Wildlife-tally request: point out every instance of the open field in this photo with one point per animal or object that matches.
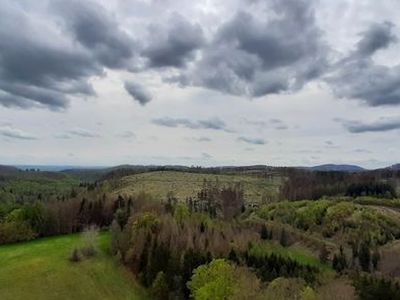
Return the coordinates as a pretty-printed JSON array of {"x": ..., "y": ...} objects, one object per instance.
[
  {"x": 185, "y": 184},
  {"x": 40, "y": 269}
]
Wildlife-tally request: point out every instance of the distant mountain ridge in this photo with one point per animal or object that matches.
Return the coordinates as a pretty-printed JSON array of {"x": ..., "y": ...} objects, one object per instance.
[
  {"x": 10, "y": 169},
  {"x": 338, "y": 168},
  {"x": 395, "y": 167}
]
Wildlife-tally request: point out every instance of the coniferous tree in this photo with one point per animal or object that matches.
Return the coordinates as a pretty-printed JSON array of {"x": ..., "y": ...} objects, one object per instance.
[{"x": 364, "y": 256}]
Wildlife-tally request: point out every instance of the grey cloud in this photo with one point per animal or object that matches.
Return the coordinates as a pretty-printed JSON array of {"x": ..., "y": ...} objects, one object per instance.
[
  {"x": 359, "y": 77},
  {"x": 254, "y": 141},
  {"x": 378, "y": 36},
  {"x": 62, "y": 136},
  {"x": 80, "y": 132},
  {"x": 256, "y": 56},
  {"x": 175, "y": 46},
  {"x": 281, "y": 127},
  {"x": 199, "y": 139},
  {"x": 38, "y": 67},
  {"x": 127, "y": 134},
  {"x": 213, "y": 123},
  {"x": 360, "y": 150},
  {"x": 97, "y": 30},
  {"x": 272, "y": 123},
  {"x": 138, "y": 92},
  {"x": 15, "y": 133},
  {"x": 378, "y": 126},
  {"x": 203, "y": 139},
  {"x": 206, "y": 155}
]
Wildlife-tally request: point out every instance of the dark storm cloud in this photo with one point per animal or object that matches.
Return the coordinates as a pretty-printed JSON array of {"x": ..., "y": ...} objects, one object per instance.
[
  {"x": 213, "y": 123},
  {"x": 378, "y": 36},
  {"x": 138, "y": 92},
  {"x": 38, "y": 67},
  {"x": 93, "y": 27},
  {"x": 255, "y": 56},
  {"x": 378, "y": 126},
  {"x": 359, "y": 77},
  {"x": 267, "y": 47},
  {"x": 254, "y": 141},
  {"x": 176, "y": 45}
]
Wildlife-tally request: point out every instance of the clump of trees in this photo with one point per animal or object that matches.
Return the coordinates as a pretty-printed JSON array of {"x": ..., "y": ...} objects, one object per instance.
[
  {"x": 26, "y": 221},
  {"x": 216, "y": 200},
  {"x": 305, "y": 184},
  {"x": 221, "y": 279},
  {"x": 375, "y": 189},
  {"x": 370, "y": 287}
]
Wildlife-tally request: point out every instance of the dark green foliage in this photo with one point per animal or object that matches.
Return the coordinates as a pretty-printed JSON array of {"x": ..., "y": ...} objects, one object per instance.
[
  {"x": 374, "y": 288},
  {"x": 283, "y": 240},
  {"x": 376, "y": 189},
  {"x": 159, "y": 288},
  {"x": 339, "y": 261},
  {"x": 264, "y": 234},
  {"x": 271, "y": 266},
  {"x": 375, "y": 259},
  {"x": 232, "y": 256},
  {"x": 323, "y": 254},
  {"x": 364, "y": 256}
]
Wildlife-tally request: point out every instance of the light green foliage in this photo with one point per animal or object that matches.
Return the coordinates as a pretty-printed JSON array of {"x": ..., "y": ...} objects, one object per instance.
[
  {"x": 337, "y": 215},
  {"x": 284, "y": 288},
  {"x": 338, "y": 218},
  {"x": 159, "y": 288},
  {"x": 40, "y": 270},
  {"x": 213, "y": 281},
  {"x": 221, "y": 280},
  {"x": 308, "y": 294},
  {"x": 146, "y": 221},
  {"x": 295, "y": 252},
  {"x": 181, "y": 212}
]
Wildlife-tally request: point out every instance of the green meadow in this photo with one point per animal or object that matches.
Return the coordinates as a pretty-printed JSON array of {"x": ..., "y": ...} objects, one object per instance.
[{"x": 40, "y": 269}]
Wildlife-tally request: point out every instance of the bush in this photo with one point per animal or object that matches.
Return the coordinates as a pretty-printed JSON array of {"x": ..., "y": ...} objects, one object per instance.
[
  {"x": 89, "y": 237},
  {"x": 75, "y": 256}
]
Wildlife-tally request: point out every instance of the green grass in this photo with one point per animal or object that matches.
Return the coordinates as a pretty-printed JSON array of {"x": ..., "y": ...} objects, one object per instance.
[
  {"x": 298, "y": 253},
  {"x": 40, "y": 269},
  {"x": 185, "y": 184}
]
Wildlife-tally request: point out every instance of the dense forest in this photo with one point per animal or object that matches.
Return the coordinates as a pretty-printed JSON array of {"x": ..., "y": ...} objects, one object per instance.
[{"x": 324, "y": 231}]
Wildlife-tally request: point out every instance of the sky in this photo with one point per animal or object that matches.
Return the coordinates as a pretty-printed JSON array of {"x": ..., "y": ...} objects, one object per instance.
[{"x": 207, "y": 82}]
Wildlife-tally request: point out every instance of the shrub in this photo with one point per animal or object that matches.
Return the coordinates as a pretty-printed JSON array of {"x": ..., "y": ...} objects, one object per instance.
[
  {"x": 89, "y": 237},
  {"x": 75, "y": 256}
]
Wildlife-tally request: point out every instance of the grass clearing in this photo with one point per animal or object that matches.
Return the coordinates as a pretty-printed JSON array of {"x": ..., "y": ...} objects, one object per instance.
[
  {"x": 40, "y": 269},
  {"x": 185, "y": 184},
  {"x": 296, "y": 252}
]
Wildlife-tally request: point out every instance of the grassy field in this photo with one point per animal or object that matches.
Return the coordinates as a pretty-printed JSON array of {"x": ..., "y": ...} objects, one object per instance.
[
  {"x": 185, "y": 184},
  {"x": 295, "y": 252},
  {"x": 40, "y": 269}
]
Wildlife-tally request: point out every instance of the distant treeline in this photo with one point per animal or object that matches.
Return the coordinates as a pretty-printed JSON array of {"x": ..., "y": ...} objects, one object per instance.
[{"x": 304, "y": 184}]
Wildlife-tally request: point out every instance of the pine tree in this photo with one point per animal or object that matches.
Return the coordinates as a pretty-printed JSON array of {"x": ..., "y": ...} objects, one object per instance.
[
  {"x": 323, "y": 254},
  {"x": 264, "y": 232},
  {"x": 283, "y": 239},
  {"x": 375, "y": 259},
  {"x": 364, "y": 256}
]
